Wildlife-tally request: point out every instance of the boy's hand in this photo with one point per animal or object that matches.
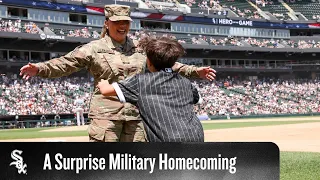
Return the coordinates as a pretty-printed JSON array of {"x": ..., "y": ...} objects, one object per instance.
[
  {"x": 102, "y": 84},
  {"x": 105, "y": 88}
]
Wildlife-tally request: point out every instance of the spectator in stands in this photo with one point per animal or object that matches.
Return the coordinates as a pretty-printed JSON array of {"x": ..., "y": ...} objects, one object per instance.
[
  {"x": 113, "y": 57},
  {"x": 9, "y": 26},
  {"x": 261, "y": 96},
  {"x": 39, "y": 96},
  {"x": 226, "y": 95}
]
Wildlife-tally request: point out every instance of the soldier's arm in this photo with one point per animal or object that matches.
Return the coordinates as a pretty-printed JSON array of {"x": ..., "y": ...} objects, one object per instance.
[
  {"x": 194, "y": 72},
  {"x": 188, "y": 71},
  {"x": 72, "y": 62}
]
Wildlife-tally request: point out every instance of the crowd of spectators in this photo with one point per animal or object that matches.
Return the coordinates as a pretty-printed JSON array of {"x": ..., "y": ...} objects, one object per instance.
[
  {"x": 204, "y": 4},
  {"x": 84, "y": 33},
  {"x": 241, "y": 8},
  {"x": 281, "y": 16},
  {"x": 245, "y": 13},
  {"x": 218, "y": 6},
  {"x": 209, "y": 4},
  {"x": 228, "y": 96},
  {"x": 272, "y": 96},
  {"x": 200, "y": 39},
  {"x": 265, "y": 43},
  {"x": 262, "y": 3},
  {"x": 42, "y": 96},
  {"x": 270, "y": 3},
  {"x": 316, "y": 17},
  {"x": 169, "y": 5},
  {"x": 16, "y": 26},
  {"x": 189, "y": 39},
  {"x": 303, "y": 44},
  {"x": 231, "y": 41},
  {"x": 31, "y": 27}
]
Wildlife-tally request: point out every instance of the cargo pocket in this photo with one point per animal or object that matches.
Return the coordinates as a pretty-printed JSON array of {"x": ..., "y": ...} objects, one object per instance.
[
  {"x": 115, "y": 64},
  {"x": 96, "y": 132}
]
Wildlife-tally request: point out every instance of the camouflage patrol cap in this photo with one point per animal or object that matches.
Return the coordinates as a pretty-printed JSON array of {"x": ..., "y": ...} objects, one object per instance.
[{"x": 117, "y": 12}]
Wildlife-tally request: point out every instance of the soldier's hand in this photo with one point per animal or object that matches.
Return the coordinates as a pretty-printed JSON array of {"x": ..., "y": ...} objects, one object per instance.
[
  {"x": 206, "y": 73},
  {"x": 28, "y": 71}
]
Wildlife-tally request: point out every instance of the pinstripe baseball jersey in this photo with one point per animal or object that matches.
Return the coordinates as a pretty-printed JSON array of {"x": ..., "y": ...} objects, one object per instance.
[{"x": 165, "y": 100}]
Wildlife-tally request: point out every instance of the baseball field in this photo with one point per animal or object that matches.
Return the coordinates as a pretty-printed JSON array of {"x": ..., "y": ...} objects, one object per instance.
[{"x": 298, "y": 139}]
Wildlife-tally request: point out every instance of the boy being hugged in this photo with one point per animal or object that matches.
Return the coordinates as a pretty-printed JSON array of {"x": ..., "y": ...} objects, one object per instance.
[{"x": 165, "y": 99}]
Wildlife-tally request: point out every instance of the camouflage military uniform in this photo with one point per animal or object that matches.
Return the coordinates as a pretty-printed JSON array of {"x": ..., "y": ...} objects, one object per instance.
[{"x": 106, "y": 59}]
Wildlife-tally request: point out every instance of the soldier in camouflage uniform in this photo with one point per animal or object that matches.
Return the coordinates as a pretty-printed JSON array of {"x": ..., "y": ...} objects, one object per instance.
[{"x": 114, "y": 57}]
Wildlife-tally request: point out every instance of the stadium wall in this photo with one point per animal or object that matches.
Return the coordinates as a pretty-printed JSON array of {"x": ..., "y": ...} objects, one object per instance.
[
  {"x": 263, "y": 116},
  {"x": 72, "y": 116}
]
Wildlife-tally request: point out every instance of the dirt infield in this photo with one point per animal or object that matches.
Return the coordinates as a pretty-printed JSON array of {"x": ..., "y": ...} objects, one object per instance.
[{"x": 293, "y": 137}]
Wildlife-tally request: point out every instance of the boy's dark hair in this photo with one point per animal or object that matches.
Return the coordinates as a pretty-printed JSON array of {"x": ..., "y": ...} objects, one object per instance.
[{"x": 162, "y": 52}]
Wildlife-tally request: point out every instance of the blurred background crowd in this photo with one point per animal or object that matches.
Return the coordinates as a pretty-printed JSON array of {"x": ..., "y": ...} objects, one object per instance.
[
  {"x": 16, "y": 26},
  {"x": 222, "y": 97}
]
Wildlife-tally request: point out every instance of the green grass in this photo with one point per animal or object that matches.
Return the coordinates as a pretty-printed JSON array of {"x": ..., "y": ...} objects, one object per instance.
[
  {"x": 273, "y": 117},
  {"x": 225, "y": 125},
  {"x": 36, "y": 133},
  {"x": 299, "y": 166},
  {"x": 293, "y": 165}
]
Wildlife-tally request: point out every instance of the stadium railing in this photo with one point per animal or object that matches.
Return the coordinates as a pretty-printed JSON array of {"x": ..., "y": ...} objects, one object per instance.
[{"x": 39, "y": 123}]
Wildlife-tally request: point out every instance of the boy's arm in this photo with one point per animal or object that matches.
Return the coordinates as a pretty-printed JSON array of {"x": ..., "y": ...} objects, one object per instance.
[
  {"x": 126, "y": 90},
  {"x": 106, "y": 89}
]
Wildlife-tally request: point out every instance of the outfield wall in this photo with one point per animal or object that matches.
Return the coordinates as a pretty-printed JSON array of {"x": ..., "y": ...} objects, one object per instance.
[
  {"x": 263, "y": 116},
  {"x": 72, "y": 116},
  {"x": 29, "y": 121}
]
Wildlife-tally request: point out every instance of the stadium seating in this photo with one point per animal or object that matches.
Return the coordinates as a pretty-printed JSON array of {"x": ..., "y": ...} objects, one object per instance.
[
  {"x": 84, "y": 32},
  {"x": 16, "y": 26},
  {"x": 182, "y": 38},
  {"x": 39, "y": 96},
  {"x": 259, "y": 97},
  {"x": 308, "y": 8},
  {"x": 241, "y": 7},
  {"x": 277, "y": 9},
  {"x": 162, "y": 5},
  {"x": 225, "y": 96},
  {"x": 229, "y": 96}
]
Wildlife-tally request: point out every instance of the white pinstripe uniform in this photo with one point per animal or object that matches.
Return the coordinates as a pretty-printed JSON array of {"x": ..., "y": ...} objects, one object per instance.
[{"x": 165, "y": 100}]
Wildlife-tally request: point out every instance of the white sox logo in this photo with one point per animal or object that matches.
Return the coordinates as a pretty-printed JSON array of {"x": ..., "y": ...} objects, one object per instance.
[{"x": 15, "y": 155}]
